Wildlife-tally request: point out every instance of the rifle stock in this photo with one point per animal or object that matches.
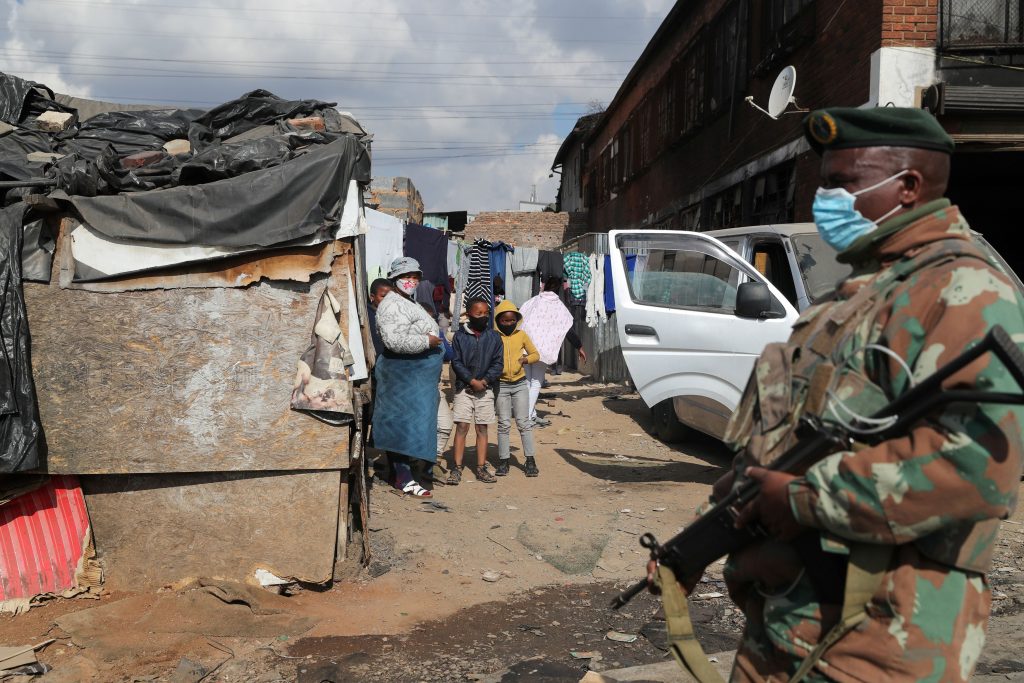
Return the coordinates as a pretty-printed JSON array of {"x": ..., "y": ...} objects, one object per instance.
[{"x": 714, "y": 534}]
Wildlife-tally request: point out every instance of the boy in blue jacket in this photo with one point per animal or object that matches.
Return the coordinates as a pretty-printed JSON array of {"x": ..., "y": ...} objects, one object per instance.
[{"x": 478, "y": 362}]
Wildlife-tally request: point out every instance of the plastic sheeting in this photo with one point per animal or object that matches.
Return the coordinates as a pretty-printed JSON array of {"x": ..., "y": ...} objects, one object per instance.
[
  {"x": 93, "y": 148},
  {"x": 301, "y": 198},
  {"x": 248, "y": 111},
  {"x": 21, "y": 100},
  {"x": 20, "y": 429}
]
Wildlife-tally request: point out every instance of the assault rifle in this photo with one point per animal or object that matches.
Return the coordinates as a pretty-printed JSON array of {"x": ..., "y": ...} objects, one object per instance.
[{"x": 714, "y": 534}]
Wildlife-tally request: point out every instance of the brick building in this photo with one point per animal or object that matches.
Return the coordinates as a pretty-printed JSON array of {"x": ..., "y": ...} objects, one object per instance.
[
  {"x": 540, "y": 229},
  {"x": 396, "y": 196},
  {"x": 679, "y": 148}
]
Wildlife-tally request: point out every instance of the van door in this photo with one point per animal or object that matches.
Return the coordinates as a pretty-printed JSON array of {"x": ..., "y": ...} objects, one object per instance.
[{"x": 675, "y": 298}]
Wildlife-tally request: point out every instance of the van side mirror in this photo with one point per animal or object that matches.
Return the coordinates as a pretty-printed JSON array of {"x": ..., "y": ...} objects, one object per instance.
[{"x": 753, "y": 300}]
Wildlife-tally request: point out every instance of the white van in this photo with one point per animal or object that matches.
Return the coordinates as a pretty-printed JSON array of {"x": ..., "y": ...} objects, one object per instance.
[{"x": 695, "y": 309}]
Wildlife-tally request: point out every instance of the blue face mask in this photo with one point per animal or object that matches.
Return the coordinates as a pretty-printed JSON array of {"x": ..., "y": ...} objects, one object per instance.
[{"x": 838, "y": 222}]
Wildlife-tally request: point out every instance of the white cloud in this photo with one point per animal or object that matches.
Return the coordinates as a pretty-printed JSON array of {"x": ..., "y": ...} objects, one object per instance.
[{"x": 469, "y": 98}]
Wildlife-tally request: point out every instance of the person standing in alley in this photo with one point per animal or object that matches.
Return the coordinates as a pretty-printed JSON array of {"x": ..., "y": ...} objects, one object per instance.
[
  {"x": 478, "y": 362},
  {"x": 513, "y": 399},
  {"x": 546, "y": 320},
  {"x": 407, "y": 374}
]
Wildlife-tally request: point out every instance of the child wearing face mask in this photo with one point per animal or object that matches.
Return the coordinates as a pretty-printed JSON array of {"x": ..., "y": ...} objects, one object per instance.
[
  {"x": 513, "y": 399},
  {"x": 478, "y": 363}
]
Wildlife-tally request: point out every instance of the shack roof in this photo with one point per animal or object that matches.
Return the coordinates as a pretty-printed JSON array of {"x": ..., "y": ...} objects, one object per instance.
[{"x": 253, "y": 173}]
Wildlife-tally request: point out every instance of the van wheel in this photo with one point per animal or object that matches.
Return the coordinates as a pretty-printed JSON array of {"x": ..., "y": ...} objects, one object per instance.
[{"x": 667, "y": 426}]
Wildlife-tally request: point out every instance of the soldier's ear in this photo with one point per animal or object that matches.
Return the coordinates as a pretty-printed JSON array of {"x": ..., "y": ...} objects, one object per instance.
[{"x": 911, "y": 183}]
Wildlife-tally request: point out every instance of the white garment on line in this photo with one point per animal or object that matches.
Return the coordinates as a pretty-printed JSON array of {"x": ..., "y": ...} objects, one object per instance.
[
  {"x": 383, "y": 243},
  {"x": 602, "y": 314},
  {"x": 595, "y": 292}
]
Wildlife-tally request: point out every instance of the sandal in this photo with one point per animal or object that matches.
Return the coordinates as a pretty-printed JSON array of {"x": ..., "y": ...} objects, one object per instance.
[
  {"x": 437, "y": 474},
  {"x": 454, "y": 477},
  {"x": 414, "y": 489},
  {"x": 484, "y": 475}
]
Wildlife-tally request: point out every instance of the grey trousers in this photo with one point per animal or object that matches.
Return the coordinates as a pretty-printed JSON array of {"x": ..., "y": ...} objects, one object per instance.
[{"x": 513, "y": 399}]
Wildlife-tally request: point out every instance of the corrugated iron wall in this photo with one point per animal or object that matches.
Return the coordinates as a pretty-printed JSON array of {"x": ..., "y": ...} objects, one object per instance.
[{"x": 605, "y": 362}]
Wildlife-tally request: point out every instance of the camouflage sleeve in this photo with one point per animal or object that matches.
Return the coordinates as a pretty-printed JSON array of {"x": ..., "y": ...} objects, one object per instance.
[{"x": 964, "y": 465}]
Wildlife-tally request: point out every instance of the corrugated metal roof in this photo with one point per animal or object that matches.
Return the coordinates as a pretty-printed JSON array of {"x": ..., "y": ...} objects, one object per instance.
[{"x": 42, "y": 535}]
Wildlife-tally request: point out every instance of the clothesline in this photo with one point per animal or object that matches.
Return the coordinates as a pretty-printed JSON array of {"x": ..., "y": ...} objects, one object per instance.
[{"x": 492, "y": 271}]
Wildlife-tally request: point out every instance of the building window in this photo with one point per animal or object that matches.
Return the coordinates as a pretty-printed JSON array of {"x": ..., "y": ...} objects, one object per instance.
[
  {"x": 772, "y": 195},
  {"x": 726, "y": 208},
  {"x": 786, "y": 26},
  {"x": 727, "y": 58},
  {"x": 694, "y": 65},
  {"x": 981, "y": 23}
]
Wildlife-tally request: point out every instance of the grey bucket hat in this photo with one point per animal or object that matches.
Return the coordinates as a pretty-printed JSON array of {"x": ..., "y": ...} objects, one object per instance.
[{"x": 403, "y": 266}]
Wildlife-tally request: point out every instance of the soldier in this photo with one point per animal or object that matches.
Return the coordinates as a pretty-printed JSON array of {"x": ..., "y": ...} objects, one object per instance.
[{"x": 911, "y": 522}]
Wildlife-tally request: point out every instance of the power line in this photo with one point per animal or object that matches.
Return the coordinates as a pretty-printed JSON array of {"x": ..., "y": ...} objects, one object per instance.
[
  {"x": 431, "y": 81},
  {"x": 305, "y": 40},
  {"x": 412, "y": 160},
  {"x": 121, "y": 58},
  {"x": 151, "y": 7},
  {"x": 344, "y": 74}
]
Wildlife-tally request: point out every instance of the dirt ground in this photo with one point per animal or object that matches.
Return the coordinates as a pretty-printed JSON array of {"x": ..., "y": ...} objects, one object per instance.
[{"x": 507, "y": 581}]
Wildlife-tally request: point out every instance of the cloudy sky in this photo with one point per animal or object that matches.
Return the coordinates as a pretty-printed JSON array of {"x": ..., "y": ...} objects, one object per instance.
[{"x": 469, "y": 98}]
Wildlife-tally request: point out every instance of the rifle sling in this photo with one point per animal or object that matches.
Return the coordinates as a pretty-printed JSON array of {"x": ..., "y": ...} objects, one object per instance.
[
  {"x": 865, "y": 570},
  {"x": 681, "y": 638}
]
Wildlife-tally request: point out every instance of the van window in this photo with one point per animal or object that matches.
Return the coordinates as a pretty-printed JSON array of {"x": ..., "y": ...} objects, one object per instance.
[
  {"x": 769, "y": 259},
  {"x": 818, "y": 266},
  {"x": 681, "y": 273}
]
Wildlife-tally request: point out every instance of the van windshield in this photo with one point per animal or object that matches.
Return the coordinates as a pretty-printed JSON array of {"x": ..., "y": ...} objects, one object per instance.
[{"x": 818, "y": 266}]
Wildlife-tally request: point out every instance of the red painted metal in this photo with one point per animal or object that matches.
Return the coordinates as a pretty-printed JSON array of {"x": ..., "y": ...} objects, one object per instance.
[{"x": 42, "y": 534}]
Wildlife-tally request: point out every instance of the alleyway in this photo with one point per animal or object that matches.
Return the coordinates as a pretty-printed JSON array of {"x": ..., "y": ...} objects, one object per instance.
[{"x": 495, "y": 582}]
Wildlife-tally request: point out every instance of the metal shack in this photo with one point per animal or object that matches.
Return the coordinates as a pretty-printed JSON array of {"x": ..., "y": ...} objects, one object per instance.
[{"x": 195, "y": 307}]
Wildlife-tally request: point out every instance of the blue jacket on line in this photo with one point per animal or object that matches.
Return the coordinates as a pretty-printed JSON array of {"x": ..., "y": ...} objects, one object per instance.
[{"x": 477, "y": 357}]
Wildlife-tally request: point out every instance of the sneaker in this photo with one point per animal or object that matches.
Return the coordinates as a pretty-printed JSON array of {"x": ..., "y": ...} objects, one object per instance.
[
  {"x": 531, "y": 468},
  {"x": 484, "y": 475},
  {"x": 502, "y": 469},
  {"x": 541, "y": 422}
]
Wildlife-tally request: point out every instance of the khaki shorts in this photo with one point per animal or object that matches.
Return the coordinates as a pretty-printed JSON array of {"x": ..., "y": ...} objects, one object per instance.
[{"x": 470, "y": 407}]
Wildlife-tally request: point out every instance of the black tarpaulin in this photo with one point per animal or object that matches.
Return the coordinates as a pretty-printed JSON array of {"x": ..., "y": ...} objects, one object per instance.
[
  {"x": 21, "y": 100},
  {"x": 300, "y": 198},
  {"x": 37, "y": 250},
  {"x": 14, "y": 150},
  {"x": 248, "y": 111},
  {"x": 20, "y": 429}
]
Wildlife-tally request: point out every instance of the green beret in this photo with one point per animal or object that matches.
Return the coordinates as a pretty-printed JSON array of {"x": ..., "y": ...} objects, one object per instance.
[{"x": 848, "y": 127}]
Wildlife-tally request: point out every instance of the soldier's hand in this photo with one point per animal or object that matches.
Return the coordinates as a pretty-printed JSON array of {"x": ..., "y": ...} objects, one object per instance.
[{"x": 771, "y": 507}]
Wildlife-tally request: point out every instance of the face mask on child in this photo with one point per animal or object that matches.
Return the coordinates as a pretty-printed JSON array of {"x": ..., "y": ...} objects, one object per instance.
[
  {"x": 478, "y": 324},
  {"x": 507, "y": 329}
]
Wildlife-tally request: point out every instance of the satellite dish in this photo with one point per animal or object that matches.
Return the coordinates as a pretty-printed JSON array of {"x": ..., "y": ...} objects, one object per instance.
[
  {"x": 781, "y": 96},
  {"x": 782, "y": 92}
]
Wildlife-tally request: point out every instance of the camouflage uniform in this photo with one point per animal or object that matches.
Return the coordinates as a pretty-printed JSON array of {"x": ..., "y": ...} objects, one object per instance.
[{"x": 927, "y": 292}]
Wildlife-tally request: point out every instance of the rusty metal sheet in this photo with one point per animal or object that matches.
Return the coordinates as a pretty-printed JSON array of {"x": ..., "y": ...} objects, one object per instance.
[{"x": 295, "y": 264}]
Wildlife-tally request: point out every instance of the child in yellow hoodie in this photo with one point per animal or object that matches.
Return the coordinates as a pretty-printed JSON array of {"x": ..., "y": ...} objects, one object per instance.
[{"x": 513, "y": 398}]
